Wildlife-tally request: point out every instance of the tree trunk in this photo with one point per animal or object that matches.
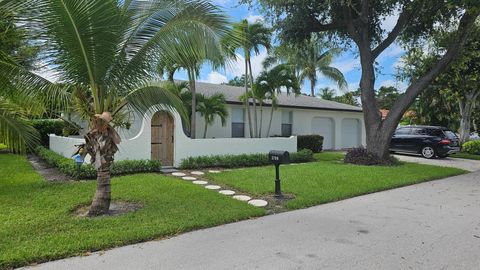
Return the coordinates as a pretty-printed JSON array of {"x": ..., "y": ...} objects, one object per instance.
[
  {"x": 101, "y": 201},
  {"x": 466, "y": 110},
  {"x": 255, "y": 129},
  {"x": 270, "y": 122},
  {"x": 193, "y": 120},
  {"x": 261, "y": 120},
  {"x": 247, "y": 100},
  {"x": 101, "y": 144},
  {"x": 205, "y": 130},
  {"x": 312, "y": 87}
]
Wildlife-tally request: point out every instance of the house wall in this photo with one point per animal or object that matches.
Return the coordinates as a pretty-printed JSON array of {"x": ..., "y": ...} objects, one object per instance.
[
  {"x": 138, "y": 146},
  {"x": 301, "y": 125}
]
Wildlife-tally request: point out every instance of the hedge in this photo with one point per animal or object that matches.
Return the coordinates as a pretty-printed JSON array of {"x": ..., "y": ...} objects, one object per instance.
[
  {"x": 52, "y": 126},
  {"x": 312, "y": 142},
  {"x": 244, "y": 160},
  {"x": 87, "y": 171},
  {"x": 472, "y": 147}
]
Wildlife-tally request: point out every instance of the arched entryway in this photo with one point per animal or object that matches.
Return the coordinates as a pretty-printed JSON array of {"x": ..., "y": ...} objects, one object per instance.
[{"x": 162, "y": 138}]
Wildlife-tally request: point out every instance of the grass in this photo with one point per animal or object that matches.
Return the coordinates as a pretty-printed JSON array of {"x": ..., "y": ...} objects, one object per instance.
[
  {"x": 329, "y": 180},
  {"x": 36, "y": 223},
  {"x": 466, "y": 156}
]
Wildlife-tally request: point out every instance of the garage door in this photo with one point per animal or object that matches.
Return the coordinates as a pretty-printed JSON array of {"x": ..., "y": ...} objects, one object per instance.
[
  {"x": 350, "y": 133},
  {"x": 324, "y": 126}
]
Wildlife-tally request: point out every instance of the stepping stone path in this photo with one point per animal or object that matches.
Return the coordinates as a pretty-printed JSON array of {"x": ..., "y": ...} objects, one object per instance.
[
  {"x": 197, "y": 173},
  {"x": 227, "y": 192},
  {"x": 242, "y": 198},
  {"x": 200, "y": 182},
  {"x": 214, "y": 171},
  {"x": 189, "y": 178},
  {"x": 213, "y": 187},
  {"x": 258, "y": 203},
  {"x": 179, "y": 174}
]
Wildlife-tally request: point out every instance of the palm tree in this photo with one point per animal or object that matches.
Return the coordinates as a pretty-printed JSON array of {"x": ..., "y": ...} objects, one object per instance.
[
  {"x": 272, "y": 82},
  {"x": 211, "y": 49},
  {"x": 254, "y": 36},
  {"x": 326, "y": 93},
  {"x": 212, "y": 106},
  {"x": 312, "y": 58},
  {"x": 105, "y": 51}
]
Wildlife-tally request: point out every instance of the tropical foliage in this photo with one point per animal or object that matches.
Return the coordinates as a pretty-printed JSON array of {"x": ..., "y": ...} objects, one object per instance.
[
  {"x": 210, "y": 107},
  {"x": 104, "y": 51}
]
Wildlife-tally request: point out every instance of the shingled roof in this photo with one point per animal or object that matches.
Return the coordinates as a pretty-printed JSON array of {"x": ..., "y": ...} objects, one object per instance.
[{"x": 233, "y": 93}]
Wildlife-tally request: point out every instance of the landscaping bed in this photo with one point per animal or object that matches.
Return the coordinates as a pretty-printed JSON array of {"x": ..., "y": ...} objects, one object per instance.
[
  {"x": 329, "y": 179},
  {"x": 38, "y": 222}
]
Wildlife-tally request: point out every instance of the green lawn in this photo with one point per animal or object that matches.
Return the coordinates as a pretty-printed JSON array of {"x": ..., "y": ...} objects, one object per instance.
[
  {"x": 466, "y": 156},
  {"x": 328, "y": 180},
  {"x": 36, "y": 222}
]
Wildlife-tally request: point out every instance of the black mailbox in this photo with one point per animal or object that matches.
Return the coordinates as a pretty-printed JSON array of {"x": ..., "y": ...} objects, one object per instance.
[{"x": 279, "y": 157}]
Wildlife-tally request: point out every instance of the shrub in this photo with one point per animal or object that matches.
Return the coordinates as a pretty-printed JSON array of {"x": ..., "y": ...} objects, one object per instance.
[
  {"x": 87, "y": 171},
  {"x": 472, "y": 147},
  {"x": 312, "y": 142},
  {"x": 244, "y": 160},
  {"x": 52, "y": 126},
  {"x": 361, "y": 156}
]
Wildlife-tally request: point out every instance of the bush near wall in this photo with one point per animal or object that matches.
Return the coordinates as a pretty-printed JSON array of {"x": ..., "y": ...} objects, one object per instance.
[
  {"x": 236, "y": 161},
  {"x": 312, "y": 142},
  {"x": 52, "y": 126},
  {"x": 472, "y": 147},
  {"x": 87, "y": 171}
]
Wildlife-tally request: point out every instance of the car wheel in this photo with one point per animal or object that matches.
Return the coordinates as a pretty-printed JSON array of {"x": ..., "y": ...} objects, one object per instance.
[{"x": 428, "y": 152}]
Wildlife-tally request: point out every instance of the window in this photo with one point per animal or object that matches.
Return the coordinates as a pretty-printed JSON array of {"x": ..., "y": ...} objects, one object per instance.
[
  {"x": 402, "y": 131},
  {"x": 238, "y": 123},
  {"x": 419, "y": 131},
  {"x": 287, "y": 117}
]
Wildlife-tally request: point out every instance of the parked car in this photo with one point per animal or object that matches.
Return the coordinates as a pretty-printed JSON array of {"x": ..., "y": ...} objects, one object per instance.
[
  {"x": 474, "y": 136},
  {"x": 428, "y": 141}
]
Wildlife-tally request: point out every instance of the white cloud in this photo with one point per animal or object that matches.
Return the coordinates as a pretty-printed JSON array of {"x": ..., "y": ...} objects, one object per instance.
[
  {"x": 347, "y": 65},
  {"x": 222, "y": 3},
  {"x": 389, "y": 22},
  {"x": 255, "y": 18},
  {"x": 237, "y": 68},
  {"x": 216, "y": 78}
]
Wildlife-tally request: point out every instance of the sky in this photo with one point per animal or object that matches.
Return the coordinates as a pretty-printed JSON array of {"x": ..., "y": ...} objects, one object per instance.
[{"x": 348, "y": 62}]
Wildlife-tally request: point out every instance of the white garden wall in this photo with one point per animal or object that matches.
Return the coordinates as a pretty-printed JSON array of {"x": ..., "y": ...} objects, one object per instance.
[{"x": 138, "y": 146}]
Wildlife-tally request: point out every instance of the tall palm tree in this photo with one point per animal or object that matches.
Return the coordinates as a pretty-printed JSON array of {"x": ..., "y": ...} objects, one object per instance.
[
  {"x": 212, "y": 106},
  {"x": 105, "y": 50},
  {"x": 212, "y": 49},
  {"x": 272, "y": 82},
  {"x": 254, "y": 36},
  {"x": 313, "y": 58}
]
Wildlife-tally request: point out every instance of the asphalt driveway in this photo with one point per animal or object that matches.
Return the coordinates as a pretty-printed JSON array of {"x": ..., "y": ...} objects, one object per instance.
[
  {"x": 434, "y": 225},
  {"x": 466, "y": 164}
]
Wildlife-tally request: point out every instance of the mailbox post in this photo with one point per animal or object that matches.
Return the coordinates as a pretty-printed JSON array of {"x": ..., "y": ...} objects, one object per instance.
[{"x": 277, "y": 158}]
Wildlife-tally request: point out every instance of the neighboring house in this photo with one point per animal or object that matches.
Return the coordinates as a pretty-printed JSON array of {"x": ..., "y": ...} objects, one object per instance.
[{"x": 159, "y": 134}]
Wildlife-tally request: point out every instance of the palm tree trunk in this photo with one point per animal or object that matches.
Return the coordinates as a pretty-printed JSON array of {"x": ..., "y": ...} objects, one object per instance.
[
  {"x": 205, "y": 130},
  {"x": 247, "y": 100},
  {"x": 101, "y": 146},
  {"x": 261, "y": 120},
  {"x": 255, "y": 130},
  {"x": 193, "y": 120},
  {"x": 312, "y": 86},
  {"x": 270, "y": 121}
]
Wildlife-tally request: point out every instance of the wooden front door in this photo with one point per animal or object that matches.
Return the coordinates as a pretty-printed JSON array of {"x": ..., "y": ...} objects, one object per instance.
[{"x": 162, "y": 138}]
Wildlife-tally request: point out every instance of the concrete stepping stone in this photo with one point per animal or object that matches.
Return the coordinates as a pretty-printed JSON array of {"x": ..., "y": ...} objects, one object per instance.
[
  {"x": 197, "y": 173},
  {"x": 227, "y": 192},
  {"x": 200, "y": 182},
  {"x": 242, "y": 198},
  {"x": 258, "y": 203},
  {"x": 179, "y": 174},
  {"x": 214, "y": 171},
  {"x": 189, "y": 178},
  {"x": 213, "y": 187}
]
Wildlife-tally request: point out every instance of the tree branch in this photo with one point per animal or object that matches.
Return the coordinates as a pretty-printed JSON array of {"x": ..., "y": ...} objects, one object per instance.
[
  {"x": 466, "y": 24},
  {"x": 397, "y": 29},
  {"x": 319, "y": 27}
]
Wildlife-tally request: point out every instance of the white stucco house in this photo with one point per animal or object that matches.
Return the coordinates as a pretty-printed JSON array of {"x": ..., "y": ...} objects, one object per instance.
[{"x": 159, "y": 134}]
